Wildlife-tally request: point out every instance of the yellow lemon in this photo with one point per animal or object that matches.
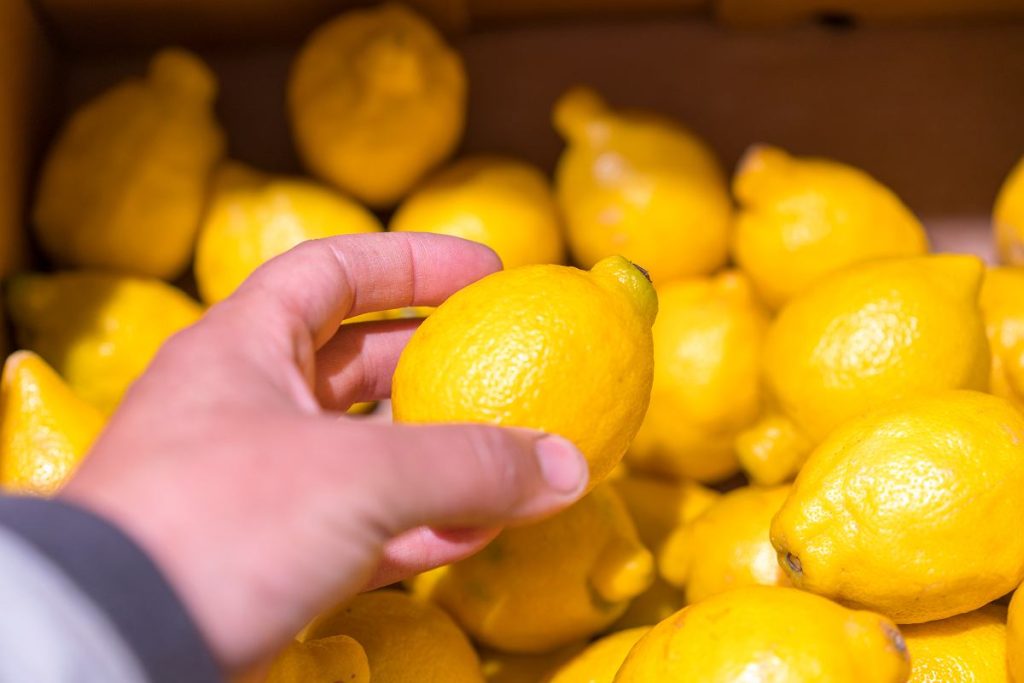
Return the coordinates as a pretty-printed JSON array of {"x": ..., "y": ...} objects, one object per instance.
[
  {"x": 727, "y": 546},
  {"x": 45, "y": 429},
  {"x": 1002, "y": 305},
  {"x": 639, "y": 185},
  {"x": 548, "y": 347},
  {"x": 254, "y": 217},
  {"x": 968, "y": 648},
  {"x": 376, "y": 100},
  {"x": 328, "y": 660},
  {"x": 905, "y": 510},
  {"x": 404, "y": 639},
  {"x": 124, "y": 184},
  {"x": 505, "y": 667},
  {"x": 501, "y": 202},
  {"x": 538, "y": 587},
  {"x": 98, "y": 330},
  {"x": 707, "y": 354},
  {"x": 761, "y": 633},
  {"x": 1008, "y": 217},
  {"x": 1015, "y": 637},
  {"x": 599, "y": 662},
  {"x": 802, "y": 218},
  {"x": 867, "y": 334}
]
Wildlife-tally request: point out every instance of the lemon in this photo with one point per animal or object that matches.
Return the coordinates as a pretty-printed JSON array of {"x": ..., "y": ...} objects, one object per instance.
[
  {"x": 124, "y": 184},
  {"x": 727, "y": 546},
  {"x": 376, "y": 99},
  {"x": 254, "y": 217},
  {"x": 1008, "y": 217},
  {"x": 98, "y": 330},
  {"x": 501, "y": 202},
  {"x": 967, "y": 648},
  {"x": 1002, "y": 305},
  {"x": 539, "y": 587},
  {"x": 45, "y": 429},
  {"x": 505, "y": 667},
  {"x": 327, "y": 660},
  {"x": 639, "y": 185},
  {"x": 762, "y": 633},
  {"x": 1015, "y": 637},
  {"x": 802, "y": 218},
  {"x": 599, "y": 662},
  {"x": 707, "y": 353},
  {"x": 864, "y": 335},
  {"x": 403, "y": 639},
  {"x": 904, "y": 510},
  {"x": 545, "y": 346}
]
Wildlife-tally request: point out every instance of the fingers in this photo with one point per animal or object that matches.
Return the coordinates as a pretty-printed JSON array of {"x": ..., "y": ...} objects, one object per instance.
[
  {"x": 358, "y": 362},
  {"x": 425, "y": 548}
]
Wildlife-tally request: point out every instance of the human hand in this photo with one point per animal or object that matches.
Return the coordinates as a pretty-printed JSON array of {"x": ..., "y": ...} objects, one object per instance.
[{"x": 232, "y": 464}]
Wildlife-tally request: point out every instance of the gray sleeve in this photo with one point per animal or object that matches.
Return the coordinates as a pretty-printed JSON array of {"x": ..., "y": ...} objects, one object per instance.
[{"x": 81, "y": 603}]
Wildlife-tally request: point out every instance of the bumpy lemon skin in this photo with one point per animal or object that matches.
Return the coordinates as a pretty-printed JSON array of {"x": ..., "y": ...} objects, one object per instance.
[
  {"x": 546, "y": 347},
  {"x": 587, "y": 560},
  {"x": 600, "y": 661},
  {"x": 124, "y": 185},
  {"x": 707, "y": 359},
  {"x": 1002, "y": 305},
  {"x": 501, "y": 202},
  {"x": 254, "y": 217},
  {"x": 326, "y": 660},
  {"x": 766, "y": 633},
  {"x": 904, "y": 510},
  {"x": 1015, "y": 638},
  {"x": 45, "y": 429},
  {"x": 802, "y": 218},
  {"x": 376, "y": 100},
  {"x": 639, "y": 185},
  {"x": 968, "y": 647},
  {"x": 1008, "y": 217}
]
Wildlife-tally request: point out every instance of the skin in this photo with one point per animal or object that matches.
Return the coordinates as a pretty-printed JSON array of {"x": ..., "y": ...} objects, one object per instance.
[{"x": 232, "y": 463}]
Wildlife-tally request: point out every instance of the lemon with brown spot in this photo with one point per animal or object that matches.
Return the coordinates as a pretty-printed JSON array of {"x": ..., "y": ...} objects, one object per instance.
[
  {"x": 335, "y": 659},
  {"x": 967, "y": 648}
]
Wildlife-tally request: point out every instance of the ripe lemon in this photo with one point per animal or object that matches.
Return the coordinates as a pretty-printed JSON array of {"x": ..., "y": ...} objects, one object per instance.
[
  {"x": 539, "y": 587},
  {"x": 547, "y": 347},
  {"x": 1002, "y": 305},
  {"x": 905, "y": 510},
  {"x": 376, "y": 99},
  {"x": 968, "y": 647},
  {"x": 1008, "y": 217},
  {"x": 635, "y": 184},
  {"x": 505, "y": 667},
  {"x": 599, "y": 662},
  {"x": 403, "y": 639},
  {"x": 124, "y": 184},
  {"x": 762, "y": 633},
  {"x": 1015, "y": 637},
  {"x": 707, "y": 354},
  {"x": 254, "y": 217},
  {"x": 45, "y": 429},
  {"x": 802, "y": 218},
  {"x": 98, "y": 330},
  {"x": 864, "y": 335},
  {"x": 727, "y": 546},
  {"x": 501, "y": 202},
  {"x": 327, "y": 660}
]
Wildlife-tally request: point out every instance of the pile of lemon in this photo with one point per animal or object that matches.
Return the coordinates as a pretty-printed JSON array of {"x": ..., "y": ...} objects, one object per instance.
[{"x": 804, "y": 431}]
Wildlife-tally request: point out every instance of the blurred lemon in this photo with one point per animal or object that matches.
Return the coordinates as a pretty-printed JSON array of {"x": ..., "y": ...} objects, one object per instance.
[
  {"x": 538, "y": 587},
  {"x": 969, "y": 647},
  {"x": 1002, "y": 305},
  {"x": 802, "y": 218},
  {"x": 376, "y": 100},
  {"x": 1008, "y": 217},
  {"x": 504, "y": 203},
  {"x": 727, "y": 546},
  {"x": 639, "y": 185},
  {"x": 1015, "y": 637},
  {"x": 707, "y": 353},
  {"x": 905, "y": 510},
  {"x": 328, "y": 660},
  {"x": 98, "y": 330},
  {"x": 867, "y": 334},
  {"x": 254, "y": 217},
  {"x": 548, "y": 347},
  {"x": 599, "y": 662},
  {"x": 404, "y": 639},
  {"x": 505, "y": 667},
  {"x": 123, "y": 186},
  {"x": 45, "y": 429},
  {"x": 761, "y": 633}
]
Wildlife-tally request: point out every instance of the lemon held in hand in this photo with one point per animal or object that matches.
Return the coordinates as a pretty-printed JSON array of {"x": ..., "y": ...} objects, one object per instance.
[
  {"x": 124, "y": 184},
  {"x": 968, "y": 648},
  {"x": 376, "y": 99},
  {"x": 335, "y": 659},
  {"x": 504, "y": 203},
  {"x": 905, "y": 510},
  {"x": 547, "y": 347}
]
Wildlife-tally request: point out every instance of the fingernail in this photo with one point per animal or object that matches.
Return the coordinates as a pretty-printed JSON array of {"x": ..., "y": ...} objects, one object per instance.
[{"x": 561, "y": 464}]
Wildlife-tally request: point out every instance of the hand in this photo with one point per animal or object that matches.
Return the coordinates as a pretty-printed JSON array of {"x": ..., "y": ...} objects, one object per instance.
[{"x": 232, "y": 464}]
